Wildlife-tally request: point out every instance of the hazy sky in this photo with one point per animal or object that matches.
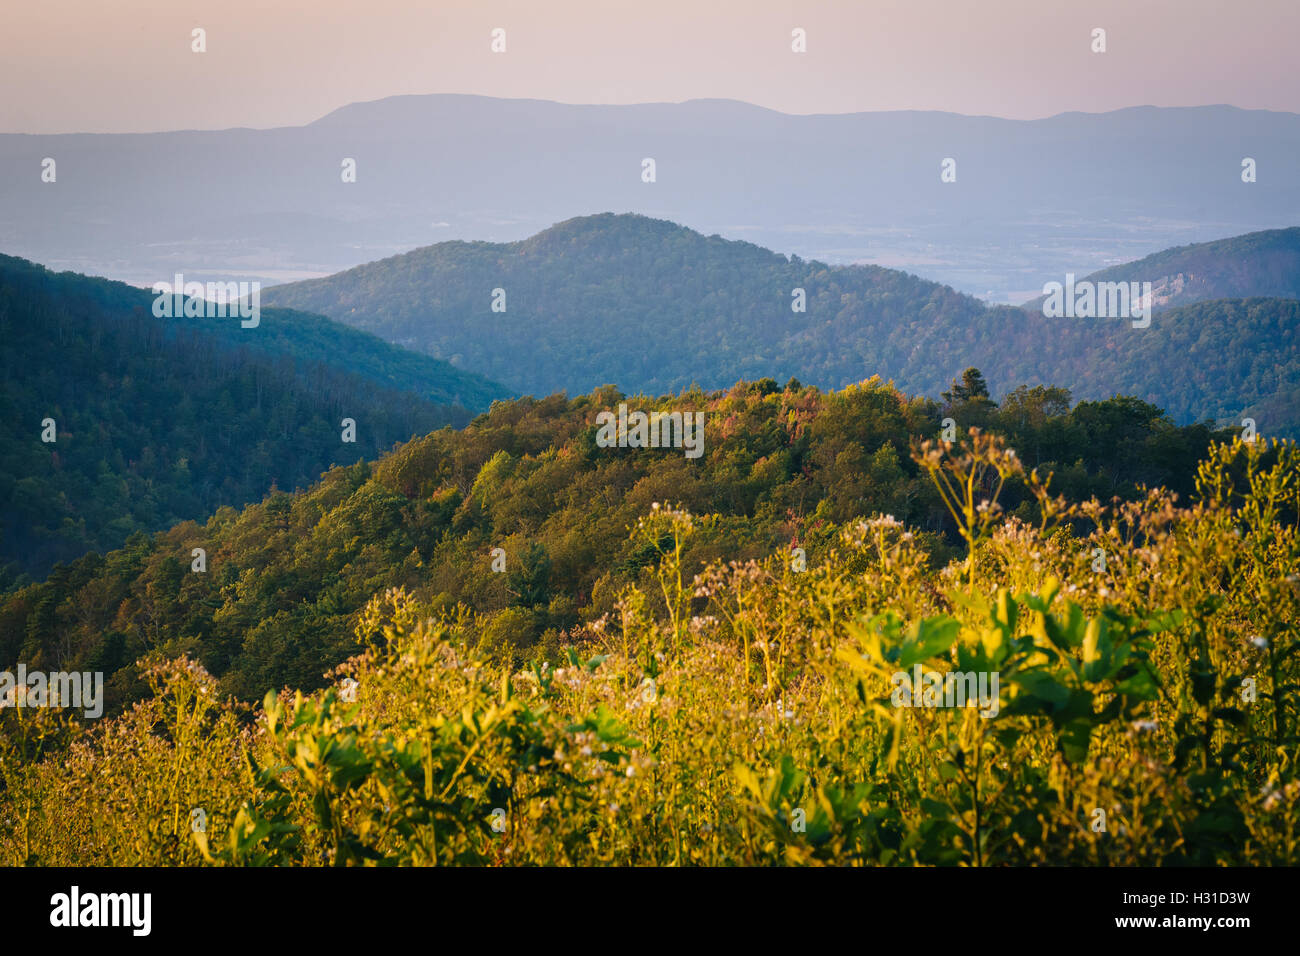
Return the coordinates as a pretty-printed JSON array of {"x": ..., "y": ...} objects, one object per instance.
[{"x": 126, "y": 65}]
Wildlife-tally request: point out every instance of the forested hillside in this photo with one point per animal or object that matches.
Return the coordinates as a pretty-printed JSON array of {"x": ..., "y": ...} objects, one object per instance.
[
  {"x": 769, "y": 672},
  {"x": 639, "y": 302},
  {"x": 1258, "y": 264},
  {"x": 1223, "y": 360},
  {"x": 156, "y": 421},
  {"x": 782, "y": 467},
  {"x": 656, "y": 307}
]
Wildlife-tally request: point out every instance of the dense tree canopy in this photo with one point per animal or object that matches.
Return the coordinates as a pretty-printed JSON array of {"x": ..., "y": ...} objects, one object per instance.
[
  {"x": 781, "y": 468},
  {"x": 158, "y": 420}
]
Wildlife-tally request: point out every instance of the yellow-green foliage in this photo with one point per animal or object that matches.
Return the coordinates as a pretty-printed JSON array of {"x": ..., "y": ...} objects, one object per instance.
[{"x": 745, "y": 717}]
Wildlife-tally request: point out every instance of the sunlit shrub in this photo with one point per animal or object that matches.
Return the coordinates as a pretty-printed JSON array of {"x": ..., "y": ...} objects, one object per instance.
[{"x": 1147, "y": 708}]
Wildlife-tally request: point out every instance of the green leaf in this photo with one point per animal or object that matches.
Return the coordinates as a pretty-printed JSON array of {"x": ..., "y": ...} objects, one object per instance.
[
  {"x": 934, "y": 636},
  {"x": 1075, "y": 737}
]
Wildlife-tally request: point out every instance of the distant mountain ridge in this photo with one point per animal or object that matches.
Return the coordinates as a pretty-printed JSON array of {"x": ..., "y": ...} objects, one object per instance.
[
  {"x": 1031, "y": 197},
  {"x": 642, "y": 303},
  {"x": 655, "y": 307}
]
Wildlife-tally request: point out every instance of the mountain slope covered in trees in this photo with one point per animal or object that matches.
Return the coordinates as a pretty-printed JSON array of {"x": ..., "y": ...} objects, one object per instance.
[
  {"x": 1257, "y": 264},
  {"x": 656, "y": 307},
  {"x": 782, "y": 467},
  {"x": 872, "y": 697},
  {"x": 1223, "y": 360},
  {"x": 160, "y": 420}
]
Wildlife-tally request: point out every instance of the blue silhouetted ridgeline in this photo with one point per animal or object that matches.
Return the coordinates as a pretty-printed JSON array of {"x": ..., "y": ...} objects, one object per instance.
[{"x": 657, "y": 307}]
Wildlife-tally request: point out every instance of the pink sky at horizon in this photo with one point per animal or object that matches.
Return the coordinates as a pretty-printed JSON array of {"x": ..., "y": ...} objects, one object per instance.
[{"x": 88, "y": 66}]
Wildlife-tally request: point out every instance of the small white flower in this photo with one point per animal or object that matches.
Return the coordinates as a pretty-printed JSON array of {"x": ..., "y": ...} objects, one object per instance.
[
  {"x": 1144, "y": 726},
  {"x": 1260, "y": 642}
]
